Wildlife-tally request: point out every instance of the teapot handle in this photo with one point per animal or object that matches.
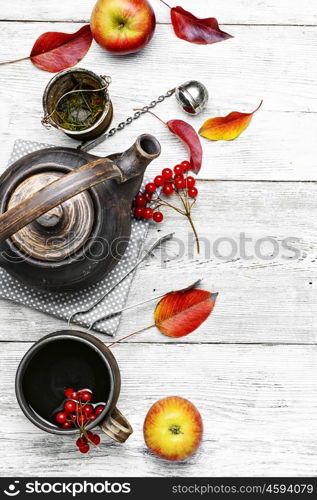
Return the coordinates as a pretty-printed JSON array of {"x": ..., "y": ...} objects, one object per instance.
[{"x": 56, "y": 193}]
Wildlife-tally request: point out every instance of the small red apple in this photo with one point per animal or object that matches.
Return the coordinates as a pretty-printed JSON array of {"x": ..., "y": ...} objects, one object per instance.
[
  {"x": 173, "y": 428},
  {"x": 122, "y": 26}
]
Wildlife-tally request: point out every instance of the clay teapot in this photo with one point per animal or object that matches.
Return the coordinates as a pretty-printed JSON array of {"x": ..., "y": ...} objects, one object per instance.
[{"x": 65, "y": 214}]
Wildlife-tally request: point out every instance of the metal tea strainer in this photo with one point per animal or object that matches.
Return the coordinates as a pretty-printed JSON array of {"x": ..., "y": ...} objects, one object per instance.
[{"x": 192, "y": 97}]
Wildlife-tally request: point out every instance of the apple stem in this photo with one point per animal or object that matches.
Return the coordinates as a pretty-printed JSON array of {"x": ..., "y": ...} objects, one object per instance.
[
  {"x": 131, "y": 335},
  {"x": 166, "y": 4}
]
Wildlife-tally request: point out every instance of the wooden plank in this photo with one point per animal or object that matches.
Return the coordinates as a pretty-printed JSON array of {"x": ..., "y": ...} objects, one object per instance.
[
  {"x": 260, "y": 62},
  {"x": 278, "y": 145},
  {"x": 258, "y": 406},
  {"x": 267, "y": 296},
  {"x": 229, "y": 12},
  {"x": 269, "y": 150}
]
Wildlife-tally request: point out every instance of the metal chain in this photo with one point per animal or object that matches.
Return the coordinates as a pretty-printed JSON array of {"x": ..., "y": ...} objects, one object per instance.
[
  {"x": 89, "y": 145},
  {"x": 137, "y": 114}
]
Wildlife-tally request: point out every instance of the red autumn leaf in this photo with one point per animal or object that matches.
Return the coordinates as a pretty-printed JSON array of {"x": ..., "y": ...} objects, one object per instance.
[
  {"x": 54, "y": 51},
  {"x": 189, "y": 137},
  {"x": 195, "y": 30},
  {"x": 180, "y": 313}
]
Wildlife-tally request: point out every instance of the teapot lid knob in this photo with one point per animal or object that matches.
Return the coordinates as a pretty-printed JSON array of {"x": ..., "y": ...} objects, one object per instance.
[
  {"x": 192, "y": 96},
  {"x": 58, "y": 233},
  {"x": 52, "y": 218}
]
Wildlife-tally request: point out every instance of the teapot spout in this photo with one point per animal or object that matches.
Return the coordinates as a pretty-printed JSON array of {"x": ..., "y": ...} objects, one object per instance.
[
  {"x": 135, "y": 160},
  {"x": 148, "y": 146}
]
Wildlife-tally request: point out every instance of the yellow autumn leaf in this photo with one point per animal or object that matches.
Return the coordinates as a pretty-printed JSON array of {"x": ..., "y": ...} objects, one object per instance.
[{"x": 228, "y": 127}]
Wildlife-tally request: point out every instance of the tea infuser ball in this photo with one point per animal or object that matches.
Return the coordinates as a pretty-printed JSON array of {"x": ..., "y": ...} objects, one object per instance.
[{"x": 192, "y": 96}]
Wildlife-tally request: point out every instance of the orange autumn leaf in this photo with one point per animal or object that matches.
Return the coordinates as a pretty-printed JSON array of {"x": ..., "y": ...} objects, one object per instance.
[
  {"x": 180, "y": 313},
  {"x": 228, "y": 127}
]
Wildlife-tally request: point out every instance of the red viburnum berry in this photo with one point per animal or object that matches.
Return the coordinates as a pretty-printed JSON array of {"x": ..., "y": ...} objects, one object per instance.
[
  {"x": 138, "y": 212},
  {"x": 158, "y": 217},
  {"x": 180, "y": 184},
  {"x": 178, "y": 170},
  {"x": 70, "y": 406},
  {"x": 140, "y": 200},
  {"x": 193, "y": 192},
  {"x": 159, "y": 180},
  {"x": 167, "y": 173},
  {"x": 67, "y": 425},
  {"x": 168, "y": 189},
  {"x": 186, "y": 165},
  {"x": 87, "y": 410},
  {"x": 96, "y": 439},
  {"x": 68, "y": 392},
  {"x": 82, "y": 441},
  {"x": 148, "y": 213},
  {"x": 190, "y": 181},
  {"x": 148, "y": 196},
  {"x": 150, "y": 188},
  {"x": 85, "y": 396},
  {"x": 84, "y": 449},
  {"x": 81, "y": 420},
  {"x": 99, "y": 409},
  {"x": 61, "y": 417}
]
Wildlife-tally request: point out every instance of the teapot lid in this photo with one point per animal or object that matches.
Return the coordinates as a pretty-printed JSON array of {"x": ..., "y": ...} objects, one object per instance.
[{"x": 60, "y": 232}]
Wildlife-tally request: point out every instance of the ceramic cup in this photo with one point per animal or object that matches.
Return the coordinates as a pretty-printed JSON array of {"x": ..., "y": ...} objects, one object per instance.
[{"x": 70, "y": 359}]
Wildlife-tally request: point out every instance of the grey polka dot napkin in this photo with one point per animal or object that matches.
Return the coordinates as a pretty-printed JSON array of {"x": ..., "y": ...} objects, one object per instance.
[{"x": 64, "y": 305}]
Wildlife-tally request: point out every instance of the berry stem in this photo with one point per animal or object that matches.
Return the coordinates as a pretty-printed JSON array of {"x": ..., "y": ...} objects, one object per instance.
[
  {"x": 131, "y": 335},
  {"x": 184, "y": 202},
  {"x": 77, "y": 422},
  {"x": 191, "y": 206},
  {"x": 166, "y": 204},
  {"x": 187, "y": 213},
  {"x": 84, "y": 433},
  {"x": 194, "y": 230}
]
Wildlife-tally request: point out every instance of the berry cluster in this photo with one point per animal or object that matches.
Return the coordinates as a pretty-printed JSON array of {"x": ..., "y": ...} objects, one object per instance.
[
  {"x": 146, "y": 204},
  {"x": 79, "y": 412},
  {"x": 83, "y": 442}
]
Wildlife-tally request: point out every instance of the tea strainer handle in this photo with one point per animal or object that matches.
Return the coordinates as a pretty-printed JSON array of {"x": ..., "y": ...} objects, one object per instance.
[{"x": 58, "y": 192}]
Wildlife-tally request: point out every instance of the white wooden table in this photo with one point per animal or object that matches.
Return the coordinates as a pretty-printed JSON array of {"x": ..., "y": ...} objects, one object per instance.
[{"x": 252, "y": 367}]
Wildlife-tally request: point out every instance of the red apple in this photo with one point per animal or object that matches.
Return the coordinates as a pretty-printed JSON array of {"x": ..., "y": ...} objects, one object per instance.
[
  {"x": 173, "y": 428},
  {"x": 122, "y": 26}
]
